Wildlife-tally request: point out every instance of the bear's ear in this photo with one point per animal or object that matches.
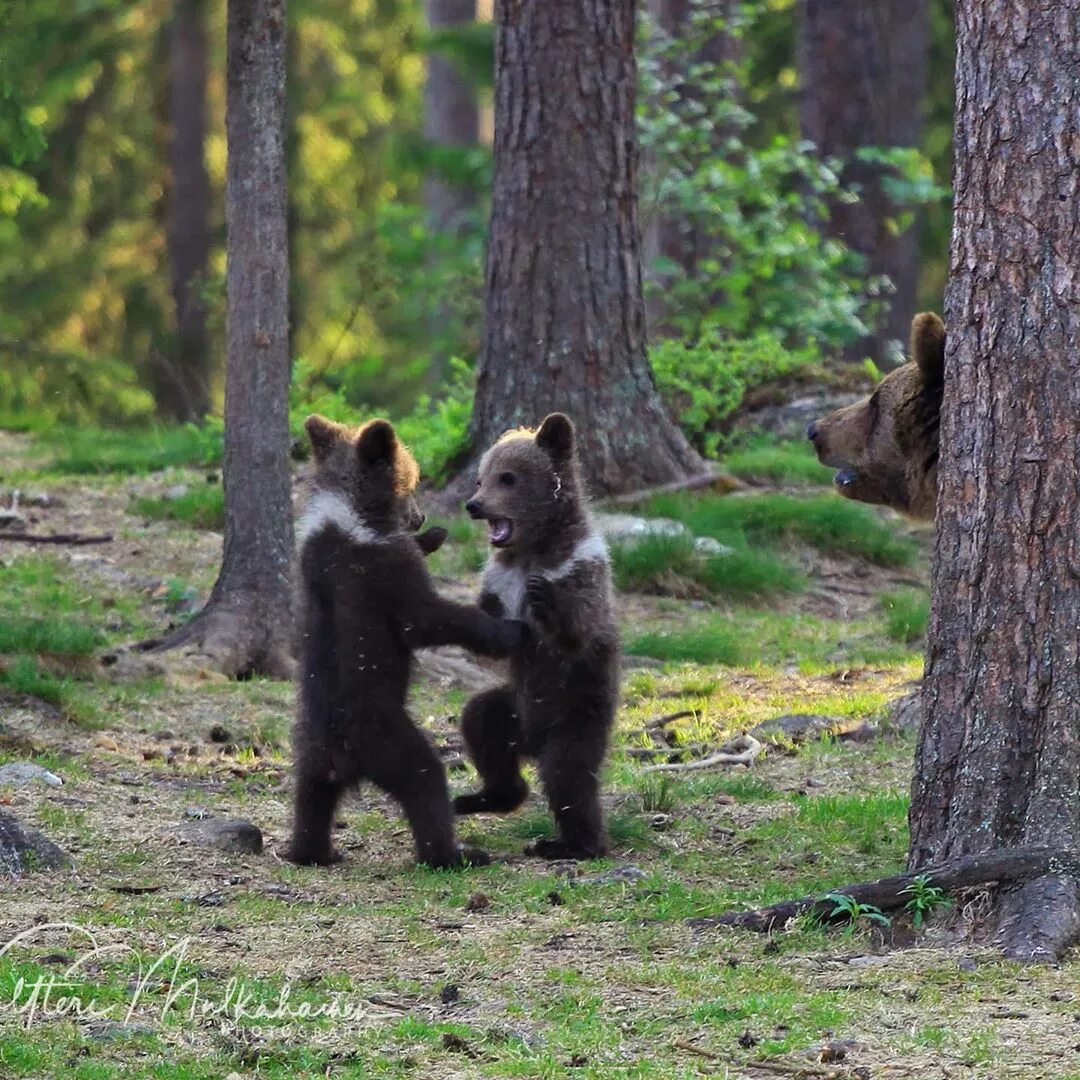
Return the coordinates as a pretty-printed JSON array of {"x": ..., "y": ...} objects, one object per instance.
[
  {"x": 556, "y": 435},
  {"x": 323, "y": 434},
  {"x": 377, "y": 443},
  {"x": 928, "y": 347}
]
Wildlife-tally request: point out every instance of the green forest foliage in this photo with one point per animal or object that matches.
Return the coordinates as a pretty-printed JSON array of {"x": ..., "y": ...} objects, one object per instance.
[{"x": 380, "y": 304}]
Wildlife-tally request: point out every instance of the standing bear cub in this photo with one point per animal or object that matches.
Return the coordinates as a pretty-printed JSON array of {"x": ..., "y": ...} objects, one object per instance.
[
  {"x": 366, "y": 602},
  {"x": 550, "y": 568}
]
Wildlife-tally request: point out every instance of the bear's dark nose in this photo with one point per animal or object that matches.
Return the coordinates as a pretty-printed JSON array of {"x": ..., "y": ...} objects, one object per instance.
[
  {"x": 811, "y": 430},
  {"x": 474, "y": 508}
]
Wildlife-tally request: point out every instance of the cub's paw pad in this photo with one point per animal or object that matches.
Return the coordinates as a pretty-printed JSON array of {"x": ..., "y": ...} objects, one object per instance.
[{"x": 539, "y": 594}]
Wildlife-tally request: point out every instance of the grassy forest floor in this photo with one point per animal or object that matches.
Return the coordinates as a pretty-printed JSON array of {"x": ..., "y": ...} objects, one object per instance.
[{"x": 805, "y": 604}]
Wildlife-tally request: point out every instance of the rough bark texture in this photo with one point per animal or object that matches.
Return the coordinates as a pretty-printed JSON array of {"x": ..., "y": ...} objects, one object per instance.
[
  {"x": 181, "y": 380},
  {"x": 451, "y": 113},
  {"x": 668, "y": 235},
  {"x": 998, "y": 762},
  {"x": 246, "y": 625},
  {"x": 565, "y": 317},
  {"x": 862, "y": 68}
]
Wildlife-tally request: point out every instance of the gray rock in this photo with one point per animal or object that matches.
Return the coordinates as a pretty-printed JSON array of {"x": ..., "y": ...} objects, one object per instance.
[
  {"x": 630, "y": 529},
  {"x": 234, "y": 835},
  {"x": 627, "y": 874},
  {"x": 795, "y": 727},
  {"x": 177, "y": 491},
  {"x": 905, "y": 714},
  {"x": 22, "y": 773},
  {"x": 23, "y": 850}
]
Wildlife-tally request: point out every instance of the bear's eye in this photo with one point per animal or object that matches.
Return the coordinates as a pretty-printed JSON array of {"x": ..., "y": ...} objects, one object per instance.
[{"x": 507, "y": 479}]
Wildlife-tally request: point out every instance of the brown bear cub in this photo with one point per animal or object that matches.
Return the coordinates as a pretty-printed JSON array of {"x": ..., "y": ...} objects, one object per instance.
[
  {"x": 886, "y": 446},
  {"x": 366, "y": 602},
  {"x": 550, "y": 568}
]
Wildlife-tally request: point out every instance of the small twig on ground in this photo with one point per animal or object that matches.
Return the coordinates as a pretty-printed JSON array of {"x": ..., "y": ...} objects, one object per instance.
[
  {"x": 660, "y": 722},
  {"x": 740, "y": 751},
  {"x": 664, "y": 751},
  {"x": 693, "y": 483},
  {"x": 690, "y": 1048},
  {"x": 56, "y": 538}
]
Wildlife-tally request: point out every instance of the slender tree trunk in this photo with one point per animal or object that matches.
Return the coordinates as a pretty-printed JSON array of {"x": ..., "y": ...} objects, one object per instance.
[
  {"x": 246, "y": 625},
  {"x": 669, "y": 235},
  {"x": 998, "y": 762},
  {"x": 181, "y": 381},
  {"x": 862, "y": 68},
  {"x": 565, "y": 317},
  {"x": 451, "y": 114}
]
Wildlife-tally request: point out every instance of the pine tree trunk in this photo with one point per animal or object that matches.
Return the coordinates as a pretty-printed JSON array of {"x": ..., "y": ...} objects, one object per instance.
[
  {"x": 451, "y": 114},
  {"x": 181, "y": 381},
  {"x": 671, "y": 236},
  {"x": 565, "y": 324},
  {"x": 862, "y": 68},
  {"x": 998, "y": 761},
  {"x": 245, "y": 627}
]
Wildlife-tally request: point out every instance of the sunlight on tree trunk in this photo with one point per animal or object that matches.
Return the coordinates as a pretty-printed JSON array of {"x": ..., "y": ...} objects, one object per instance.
[
  {"x": 565, "y": 324},
  {"x": 998, "y": 763},
  {"x": 245, "y": 627}
]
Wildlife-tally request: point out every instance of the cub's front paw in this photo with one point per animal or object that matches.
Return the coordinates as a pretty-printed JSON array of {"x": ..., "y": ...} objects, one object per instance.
[
  {"x": 430, "y": 540},
  {"x": 540, "y": 596}
]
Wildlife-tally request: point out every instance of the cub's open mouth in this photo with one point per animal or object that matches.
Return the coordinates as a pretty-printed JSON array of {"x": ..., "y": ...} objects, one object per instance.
[{"x": 500, "y": 531}]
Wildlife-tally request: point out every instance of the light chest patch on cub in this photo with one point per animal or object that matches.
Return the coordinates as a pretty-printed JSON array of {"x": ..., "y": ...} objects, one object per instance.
[
  {"x": 507, "y": 583},
  {"x": 327, "y": 508}
]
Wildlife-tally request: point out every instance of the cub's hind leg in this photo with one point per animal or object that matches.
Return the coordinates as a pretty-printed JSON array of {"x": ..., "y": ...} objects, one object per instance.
[
  {"x": 570, "y": 766},
  {"x": 316, "y": 798},
  {"x": 492, "y": 732},
  {"x": 402, "y": 762}
]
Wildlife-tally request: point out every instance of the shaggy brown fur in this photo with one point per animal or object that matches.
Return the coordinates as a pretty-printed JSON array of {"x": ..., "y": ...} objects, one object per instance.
[
  {"x": 366, "y": 602},
  {"x": 550, "y": 567},
  {"x": 886, "y": 446}
]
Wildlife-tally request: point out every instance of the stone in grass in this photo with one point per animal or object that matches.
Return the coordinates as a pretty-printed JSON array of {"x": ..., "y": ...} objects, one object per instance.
[
  {"x": 234, "y": 835},
  {"x": 23, "y": 850},
  {"x": 625, "y": 874},
  {"x": 114, "y": 1030},
  {"x": 796, "y": 727},
  {"x": 21, "y": 773}
]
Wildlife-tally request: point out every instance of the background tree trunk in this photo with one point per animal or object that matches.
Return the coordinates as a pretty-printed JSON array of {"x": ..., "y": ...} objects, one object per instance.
[
  {"x": 862, "y": 69},
  {"x": 246, "y": 625},
  {"x": 181, "y": 380},
  {"x": 565, "y": 325},
  {"x": 669, "y": 235},
  {"x": 451, "y": 114},
  {"x": 998, "y": 761}
]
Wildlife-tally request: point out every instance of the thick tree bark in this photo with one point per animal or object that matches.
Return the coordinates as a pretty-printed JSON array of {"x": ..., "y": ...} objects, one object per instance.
[
  {"x": 181, "y": 380},
  {"x": 245, "y": 627},
  {"x": 565, "y": 317},
  {"x": 451, "y": 114},
  {"x": 998, "y": 763},
  {"x": 862, "y": 68}
]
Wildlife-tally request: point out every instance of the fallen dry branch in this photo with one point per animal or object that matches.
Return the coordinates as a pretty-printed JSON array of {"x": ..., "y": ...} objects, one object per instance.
[
  {"x": 740, "y": 751},
  {"x": 693, "y": 483},
  {"x": 1007, "y": 865},
  {"x": 56, "y": 538}
]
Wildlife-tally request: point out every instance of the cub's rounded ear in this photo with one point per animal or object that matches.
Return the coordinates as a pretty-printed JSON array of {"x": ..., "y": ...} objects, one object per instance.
[
  {"x": 377, "y": 442},
  {"x": 323, "y": 434},
  {"x": 556, "y": 435},
  {"x": 928, "y": 347}
]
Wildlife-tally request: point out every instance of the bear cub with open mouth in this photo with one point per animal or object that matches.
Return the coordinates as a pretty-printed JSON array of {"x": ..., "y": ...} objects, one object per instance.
[
  {"x": 366, "y": 602},
  {"x": 550, "y": 567}
]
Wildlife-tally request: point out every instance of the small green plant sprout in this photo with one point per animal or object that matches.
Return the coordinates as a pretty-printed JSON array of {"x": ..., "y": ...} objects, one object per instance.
[
  {"x": 924, "y": 899},
  {"x": 854, "y": 911}
]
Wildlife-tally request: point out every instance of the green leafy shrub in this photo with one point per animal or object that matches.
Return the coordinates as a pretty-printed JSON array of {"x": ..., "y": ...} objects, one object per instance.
[{"x": 704, "y": 383}]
